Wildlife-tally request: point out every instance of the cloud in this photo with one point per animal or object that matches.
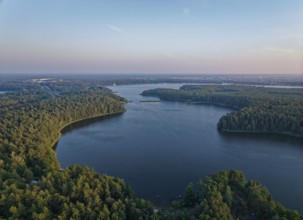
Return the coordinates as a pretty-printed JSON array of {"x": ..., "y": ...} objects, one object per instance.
[
  {"x": 279, "y": 50},
  {"x": 293, "y": 36},
  {"x": 116, "y": 29},
  {"x": 174, "y": 56},
  {"x": 285, "y": 33},
  {"x": 272, "y": 51},
  {"x": 170, "y": 55},
  {"x": 186, "y": 11}
]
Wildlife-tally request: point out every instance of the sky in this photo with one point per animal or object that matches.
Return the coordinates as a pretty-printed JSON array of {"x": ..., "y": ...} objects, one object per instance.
[{"x": 158, "y": 36}]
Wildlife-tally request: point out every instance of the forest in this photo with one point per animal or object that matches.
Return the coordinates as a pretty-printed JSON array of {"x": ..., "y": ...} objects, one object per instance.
[
  {"x": 256, "y": 109},
  {"x": 33, "y": 186},
  {"x": 228, "y": 195}
]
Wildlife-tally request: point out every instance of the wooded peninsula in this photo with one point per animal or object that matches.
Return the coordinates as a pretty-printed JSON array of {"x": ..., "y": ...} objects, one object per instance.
[
  {"x": 33, "y": 186},
  {"x": 257, "y": 109}
]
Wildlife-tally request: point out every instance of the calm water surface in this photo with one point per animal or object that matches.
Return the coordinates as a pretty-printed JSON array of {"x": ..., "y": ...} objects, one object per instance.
[
  {"x": 159, "y": 147},
  {"x": 3, "y": 92}
]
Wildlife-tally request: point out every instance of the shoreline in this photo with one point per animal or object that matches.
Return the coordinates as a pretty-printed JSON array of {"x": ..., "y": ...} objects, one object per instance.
[
  {"x": 194, "y": 102},
  {"x": 78, "y": 120},
  {"x": 226, "y": 131},
  {"x": 232, "y": 110}
]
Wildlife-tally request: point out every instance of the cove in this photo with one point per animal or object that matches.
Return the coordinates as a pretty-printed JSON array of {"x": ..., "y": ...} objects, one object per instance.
[{"x": 159, "y": 147}]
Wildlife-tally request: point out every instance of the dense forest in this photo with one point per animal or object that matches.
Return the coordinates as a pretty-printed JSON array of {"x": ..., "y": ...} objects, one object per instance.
[
  {"x": 122, "y": 79},
  {"x": 258, "y": 109},
  {"x": 228, "y": 195},
  {"x": 33, "y": 186}
]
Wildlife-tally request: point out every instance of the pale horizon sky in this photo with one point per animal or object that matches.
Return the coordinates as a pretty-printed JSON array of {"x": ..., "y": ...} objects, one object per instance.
[{"x": 160, "y": 36}]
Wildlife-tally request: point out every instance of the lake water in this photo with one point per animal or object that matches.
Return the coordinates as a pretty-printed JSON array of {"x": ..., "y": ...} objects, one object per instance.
[
  {"x": 3, "y": 92},
  {"x": 159, "y": 147}
]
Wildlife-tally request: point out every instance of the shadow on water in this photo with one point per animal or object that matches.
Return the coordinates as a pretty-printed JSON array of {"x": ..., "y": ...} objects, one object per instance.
[
  {"x": 88, "y": 122},
  {"x": 261, "y": 137},
  {"x": 84, "y": 123}
]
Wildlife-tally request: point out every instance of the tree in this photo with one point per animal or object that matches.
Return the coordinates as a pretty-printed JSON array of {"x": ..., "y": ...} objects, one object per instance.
[{"x": 190, "y": 198}]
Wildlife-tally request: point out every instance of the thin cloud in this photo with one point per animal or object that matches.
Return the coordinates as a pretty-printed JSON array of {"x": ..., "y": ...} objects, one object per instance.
[
  {"x": 284, "y": 33},
  {"x": 116, "y": 29},
  {"x": 186, "y": 11},
  {"x": 279, "y": 50},
  {"x": 170, "y": 55},
  {"x": 272, "y": 50},
  {"x": 174, "y": 56},
  {"x": 293, "y": 36}
]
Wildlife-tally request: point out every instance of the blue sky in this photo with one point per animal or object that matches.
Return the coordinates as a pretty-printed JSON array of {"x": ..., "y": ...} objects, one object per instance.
[{"x": 143, "y": 36}]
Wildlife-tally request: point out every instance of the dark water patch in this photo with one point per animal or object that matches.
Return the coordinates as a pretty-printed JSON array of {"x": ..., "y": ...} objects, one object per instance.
[{"x": 87, "y": 122}]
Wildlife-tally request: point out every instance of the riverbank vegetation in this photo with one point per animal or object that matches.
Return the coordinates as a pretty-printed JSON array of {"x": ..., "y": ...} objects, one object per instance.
[
  {"x": 257, "y": 109},
  {"x": 32, "y": 185}
]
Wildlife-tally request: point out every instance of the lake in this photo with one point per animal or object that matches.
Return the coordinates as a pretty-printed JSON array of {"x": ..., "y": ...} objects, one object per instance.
[
  {"x": 159, "y": 147},
  {"x": 3, "y": 92}
]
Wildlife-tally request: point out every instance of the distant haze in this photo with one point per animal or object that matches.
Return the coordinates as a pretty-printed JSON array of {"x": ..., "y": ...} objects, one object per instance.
[{"x": 142, "y": 36}]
